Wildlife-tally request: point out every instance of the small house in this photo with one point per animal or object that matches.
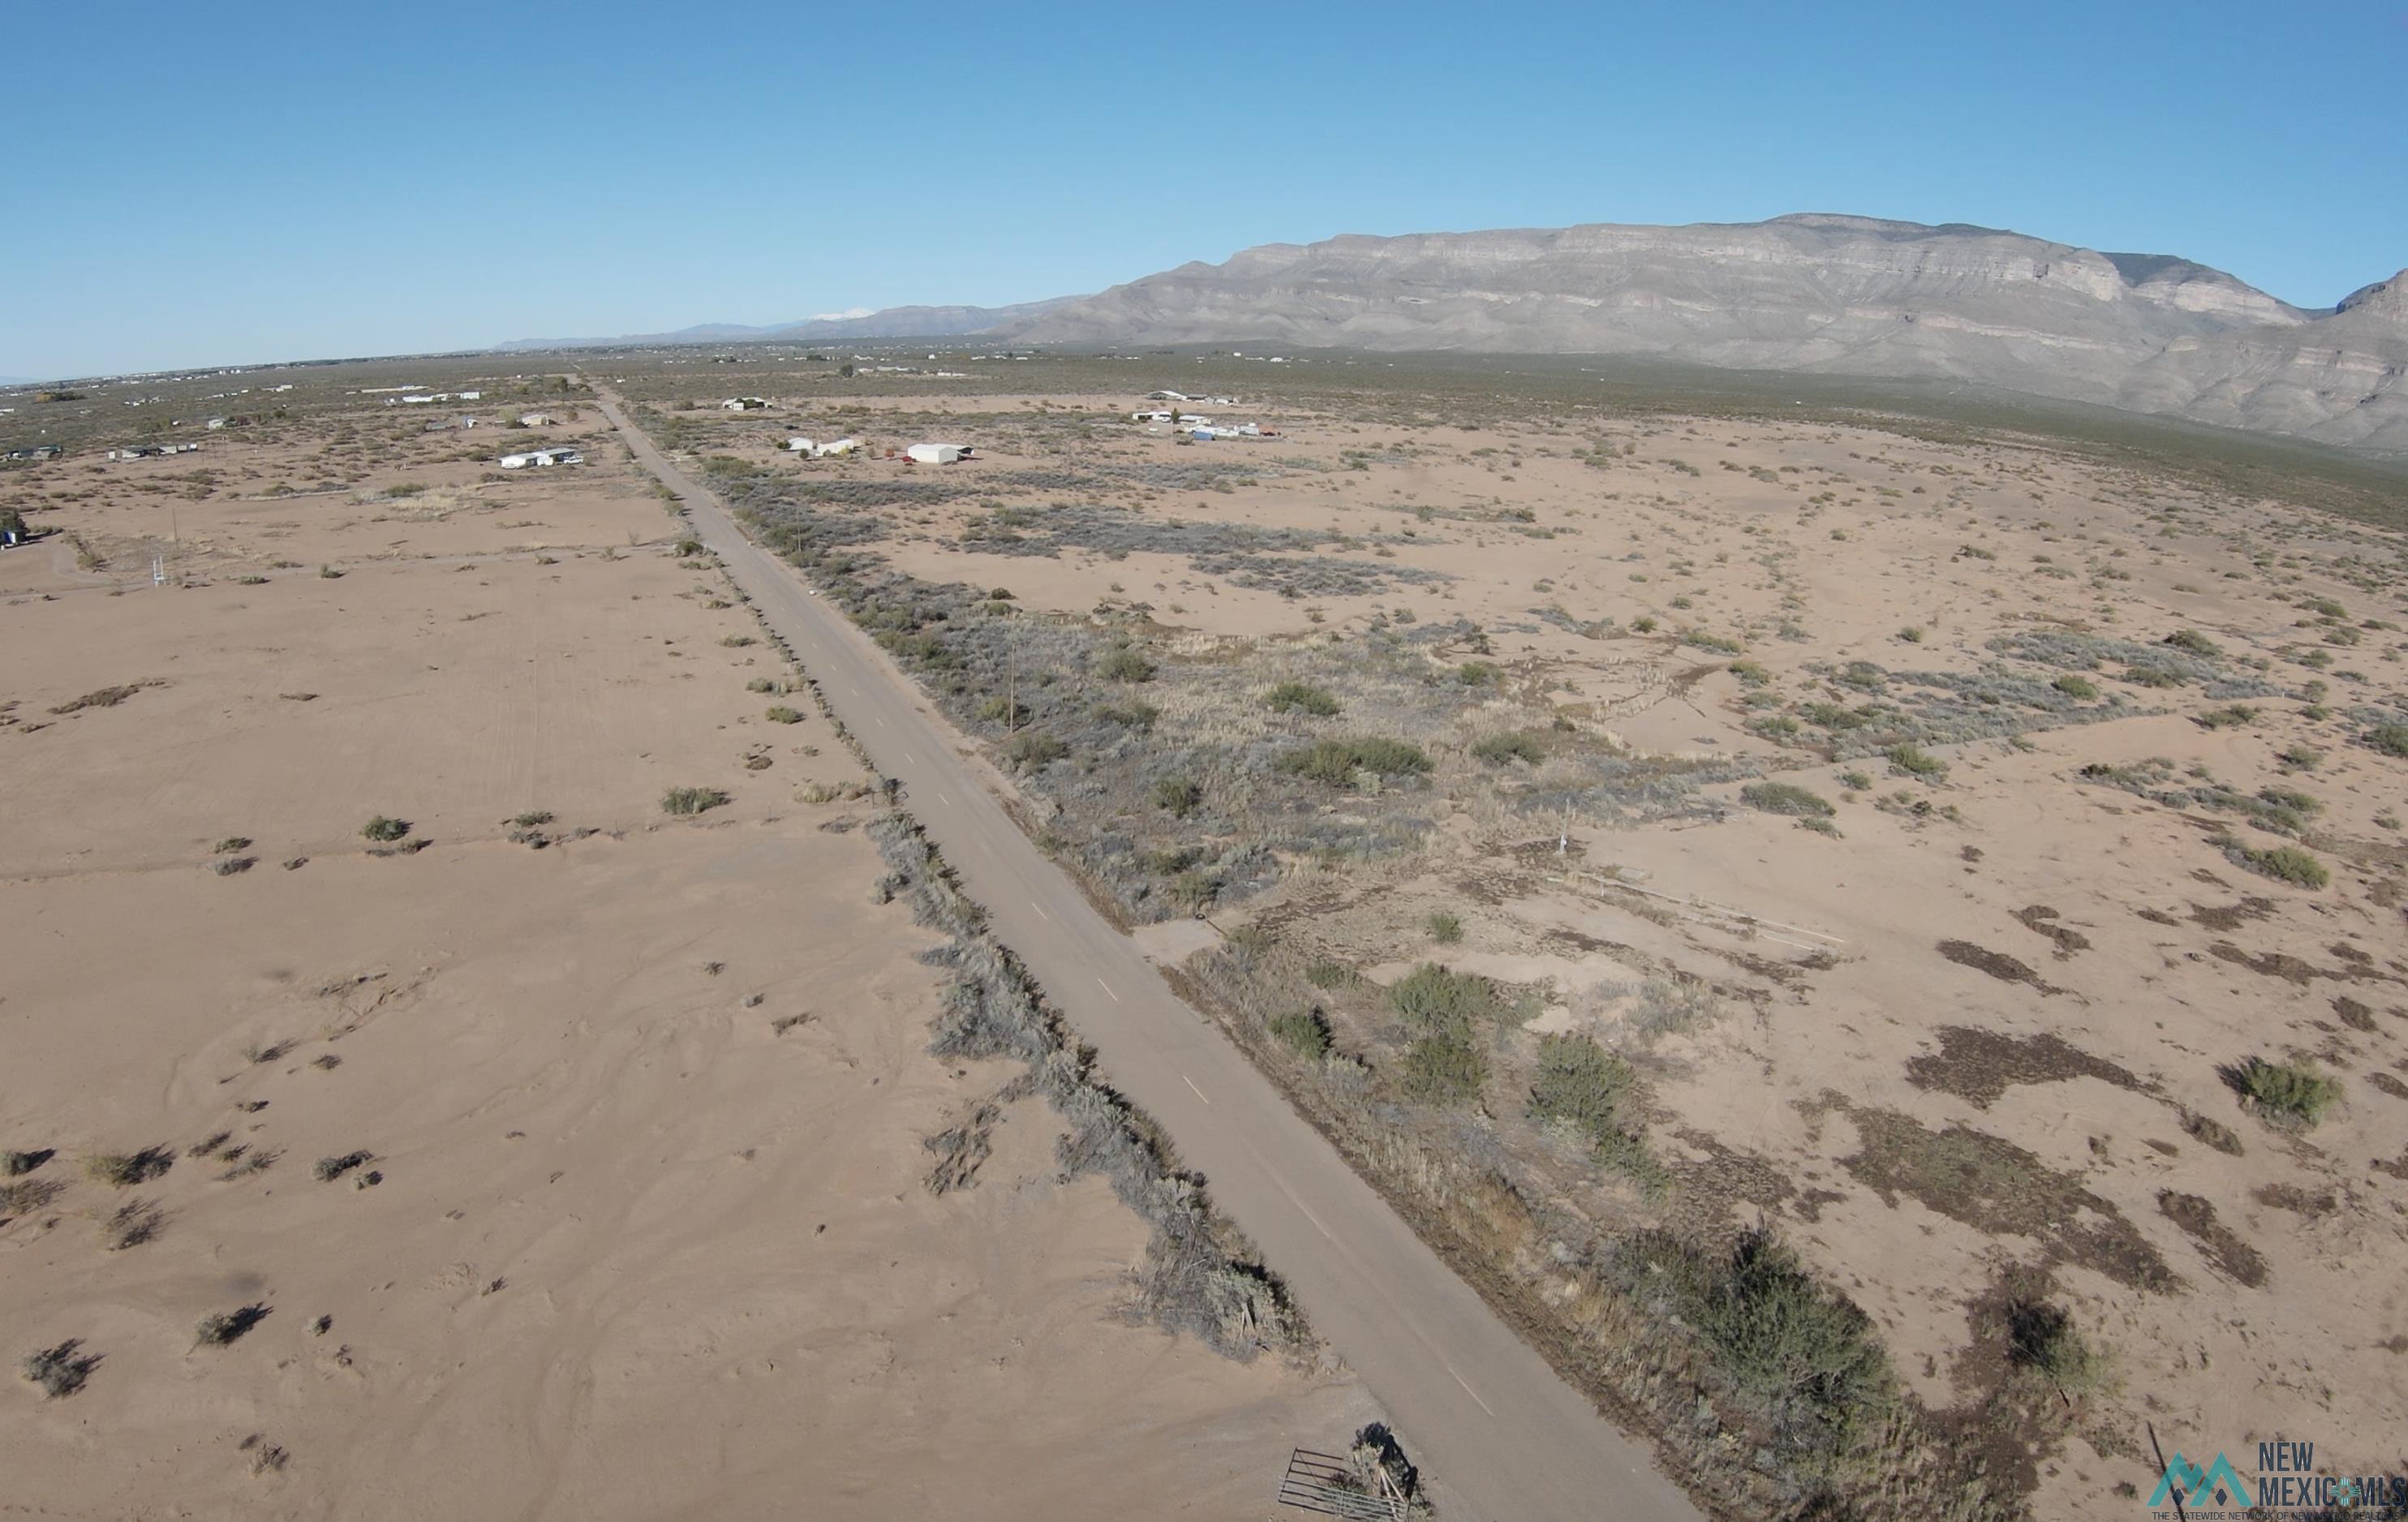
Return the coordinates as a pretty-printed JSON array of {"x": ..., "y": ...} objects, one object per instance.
[
  {"x": 836, "y": 449},
  {"x": 937, "y": 454},
  {"x": 535, "y": 420},
  {"x": 539, "y": 457},
  {"x": 743, "y": 404}
]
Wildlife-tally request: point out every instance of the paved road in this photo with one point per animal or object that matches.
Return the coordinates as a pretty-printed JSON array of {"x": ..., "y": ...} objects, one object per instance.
[{"x": 1502, "y": 1436}]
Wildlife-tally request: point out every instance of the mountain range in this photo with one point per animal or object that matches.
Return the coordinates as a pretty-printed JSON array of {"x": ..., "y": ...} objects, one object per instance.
[{"x": 1817, "y": 293}]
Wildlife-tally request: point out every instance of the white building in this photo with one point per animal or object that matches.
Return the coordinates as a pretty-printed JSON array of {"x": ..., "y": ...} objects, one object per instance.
[
  {"x": 743, "y": 404},
  {"x": 802, "y": 446},
  {"x": 541, "y": 457},
  {"x": 937, "y": 454},
  {"x": 834, "y": 448},
  {"x": 535, "y": 420}
]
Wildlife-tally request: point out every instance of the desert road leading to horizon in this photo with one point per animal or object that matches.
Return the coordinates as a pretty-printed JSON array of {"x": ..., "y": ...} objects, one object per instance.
[{"x": 1499, "y": 1436}]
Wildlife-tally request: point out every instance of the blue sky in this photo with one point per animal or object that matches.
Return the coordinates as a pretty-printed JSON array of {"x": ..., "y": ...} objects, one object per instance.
[{"x": 254, "y": 181}]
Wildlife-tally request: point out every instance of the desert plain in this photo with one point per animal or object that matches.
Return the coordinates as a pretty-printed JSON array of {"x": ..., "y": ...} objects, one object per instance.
[{"x": 1938, "y": 879}]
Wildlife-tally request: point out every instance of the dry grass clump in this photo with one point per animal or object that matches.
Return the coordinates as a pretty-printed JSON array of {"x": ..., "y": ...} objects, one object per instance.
[
  {"x": 330, "y": 1169},
  {"x": 686, "y": 801},
  {"x": 221, "y": 1328},
  {"x": 1589, "y": 1091},
  {"x": 60, "y": 1370},
  {"x": 1335, "y": 761},
  {"x": 1302, "y": 697},
  {"x": 782, "y": 714},
  {"x": 2283, "y": 863},
  {"x": 1785, "y": 799},
  {"x": 124, "y": 1170}
]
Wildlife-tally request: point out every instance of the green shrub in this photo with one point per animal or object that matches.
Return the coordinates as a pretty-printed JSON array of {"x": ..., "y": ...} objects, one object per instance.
[
  {"x": 1796, "y": 1350},
  {"x": 1030, "y": 750},
  {"x": 1433, "y": 998},
  {"x": 1643, "y": 624},
  {"x": 782, "y": 714},
  {"x": 760, "y": 685},
  {"x": 1138, "y": 716},
  {"x": 1301, "y": 697},
  {"x": 2283, "y": 863},
  {"x": 1125, "y": 662},
  {"x": 2080, "y": 688},
  {"x": 1305, "y": 1030},
  {"x": 1328, "y": 974},
  {"x": 2196, "y": 644},
  {"x": 2389, "y": 738},
  {"x": 1912, "y": 762},
  {"x": 1749, "y": 674},
  {"x": 1856, "y": 780},
  {"x": 231, "y": 844},
  {"x": 1785, "y": 798},
  {"x": 2043, "y": 1339},
  {"x": 384, "y": 829},
  {"x": 2289, "y": 1094},
  {"x": 2154, "y": 676},
  {"x": 2230, "y": 717},
  {"x": 1444, "y": 1068},
  {"x": 1444, "y": 928},
  {"x": 1336, "y": 761},
  {"x": 1911, "y": 634},
  {"x": 1519, "y": 746},
  {"x": 1476, "y": 673},
  {"x": 1178, "y": 796},
  {"x": 1719, "y": 645},
  {"x": 1003, "y": 710},
  {"x": 691, "y": 800},
  {"x": 2303, "y": 757},
  {"x": 1581, "y": 1083}
]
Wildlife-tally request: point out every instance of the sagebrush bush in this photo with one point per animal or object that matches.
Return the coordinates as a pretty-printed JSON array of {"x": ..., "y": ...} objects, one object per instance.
[
  {"x": 1785, "y": 799},
  {"x": 386, "y": 829},
  {"x": 684, "y": 801},
  {"x": 1519, "y": 746},
  {"x": 1434, "y": 999},
  {"x": 1305, "y": 1030},
  {"x": 2288, "y": 1094},
  {"x": 1444, "y": 928},
  {"x": 782, "y": 714},
  {"x": 1336, "y": 761},
  {"x": 1125, "y": 662},
  {"x": 1302, "y": 697},
  {"x": 1444, "y": 1068},
  {"x": 1179, "y": 796},
  {"x": 2283, "y": 863},
  {"x": 1913, "y": 762}
]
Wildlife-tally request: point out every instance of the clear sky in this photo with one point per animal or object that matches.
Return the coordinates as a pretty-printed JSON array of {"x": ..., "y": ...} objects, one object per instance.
[{"x": 197, "y": 184}]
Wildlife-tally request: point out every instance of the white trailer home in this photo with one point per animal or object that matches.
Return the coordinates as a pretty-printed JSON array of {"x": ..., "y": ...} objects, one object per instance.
[
  {"x": 937, "y": 454},
  {"x": 541, "y": 457}
]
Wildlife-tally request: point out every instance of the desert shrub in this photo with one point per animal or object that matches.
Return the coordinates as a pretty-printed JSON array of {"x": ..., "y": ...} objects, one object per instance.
[
  {"x": 1336, "y": 761},
  {"x": 2080, "y": 688},
  {"x": 1856, "y": 780},
  {"x": 330, "y": 1169},
  {"x": 1444, "y": 1068},
  {"x": 60, "y": 1370},
  {"x": 1328, "y": 974},
  {"x": 1305, "y": 1030},
  {"x": 1030, "y": 750},
  {"x": 386, "y": 829},
  {"x": 1444, "y": 928},
  {"x": 2293, "y": 1096},
  {"x": 1805, "y": 1357},
  {"x": 2302, "y": 757},
  {"x": 532, "y": 819},
  {"x": 760, "y": 685},
  {"x": 2389, "y": 739},
  {"x": 1719, "y": 645},
  {"x": 737, "y": 642},
  {"x": 2283, "y": 863},
  {"x": 1125, "y": 662},
  {"x": 1138, "y": 716},
  {"x": 1302, "y": 697},
  {"x": 2042, "y": 1338},
  {"x": 782, "y": 714},
  {"x": 2196, "y": 643},
  {"x": 1002, "y": 710},
  {"x": 1643, "y": 624},
  {"x": 124, "y": 1170},
  {"x": 2154, "y": 676},
  {"x": 1785, "y": 798},
  {"x": 1911, "y": 634},
  {"x": 1179, "y": 796},
  {"x": 1912, "y": 762},
  {"x": 231, "y": 844},
  {"x": 2226, "y": 718},
  {"x": 1517, "y": 745},
  {"x": 1433, "y": 999},
  {"x": 18, "y": 1163},
  {"x": 684, "y": 801},
  {"x": 1751, "y": 674},
  {"x": 221, "y": 1328},
  {"x": 1476, "y": 673},
  {"x": 1582, "y": 1084}
]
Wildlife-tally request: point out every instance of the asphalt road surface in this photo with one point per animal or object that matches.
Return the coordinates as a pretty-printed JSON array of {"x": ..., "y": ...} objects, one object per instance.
[{"x": 1499, "y": 1436}]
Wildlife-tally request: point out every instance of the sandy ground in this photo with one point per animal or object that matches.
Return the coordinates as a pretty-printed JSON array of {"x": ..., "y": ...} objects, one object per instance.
[
  {"x": 647, "y": 1234},
  {"x": 1847, "y": 1039}
]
